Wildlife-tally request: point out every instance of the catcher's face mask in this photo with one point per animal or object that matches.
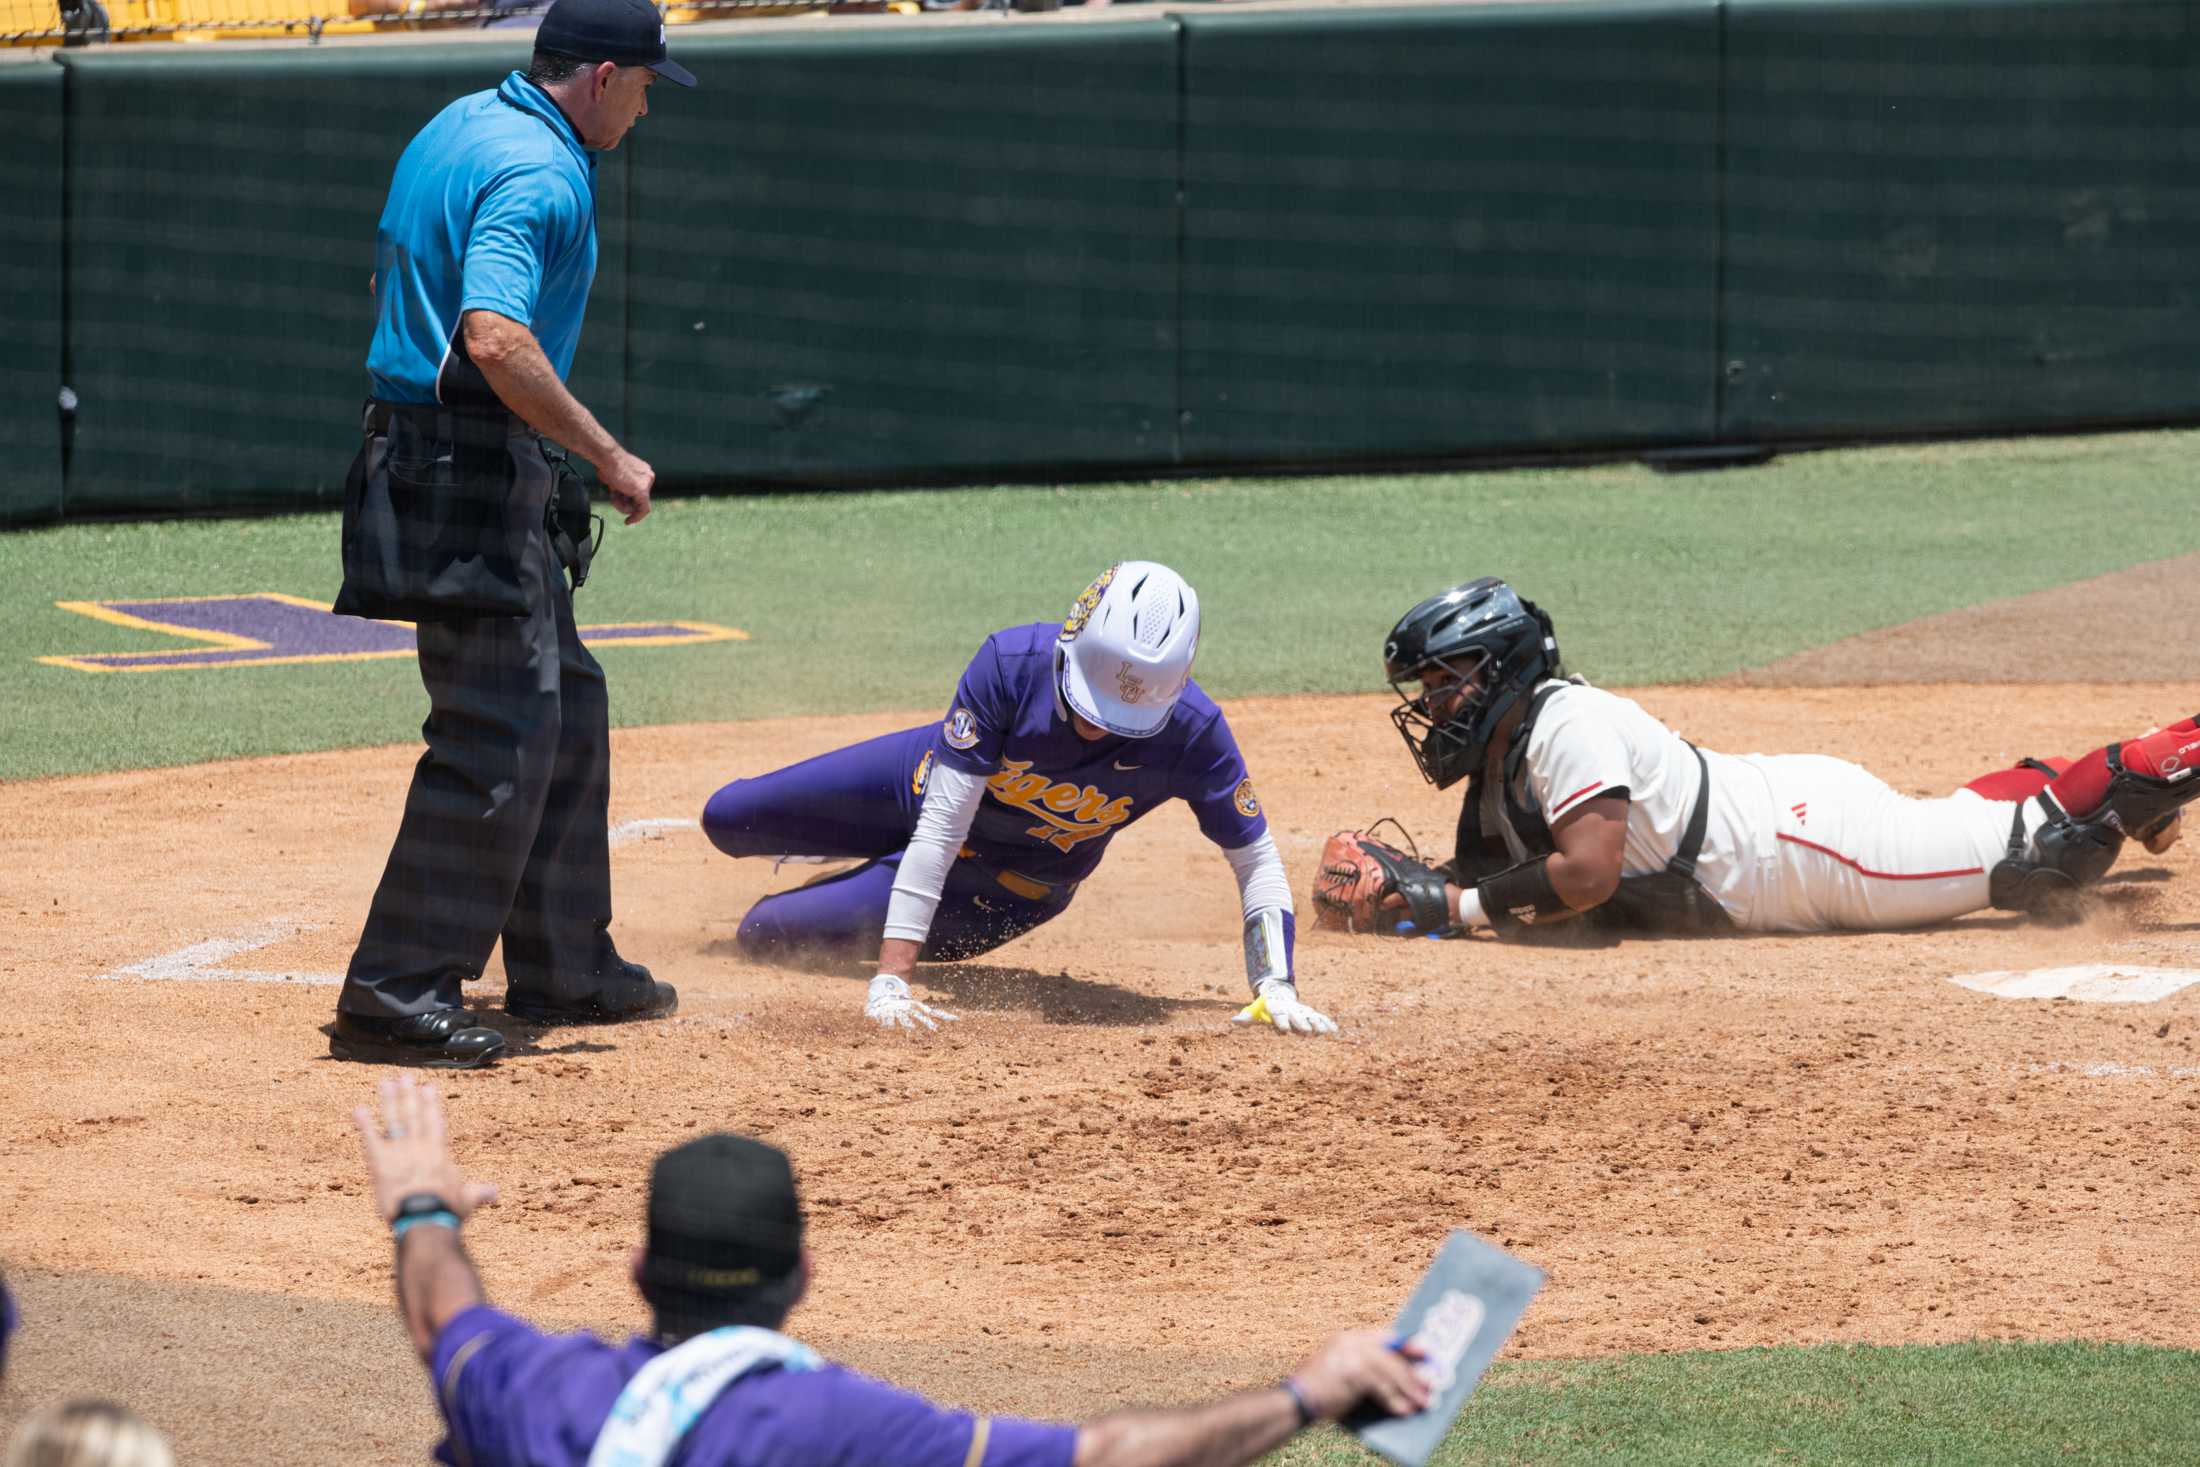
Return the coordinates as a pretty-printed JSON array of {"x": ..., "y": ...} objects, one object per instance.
[
  {"x": 1459, "y": 661},
  {"x": 1438, "y": 715}
]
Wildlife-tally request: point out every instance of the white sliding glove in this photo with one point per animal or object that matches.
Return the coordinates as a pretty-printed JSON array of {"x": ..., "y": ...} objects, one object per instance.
[
  {"x": 1278, "y": 1003},
  {"x": 890, "y": 1006}
]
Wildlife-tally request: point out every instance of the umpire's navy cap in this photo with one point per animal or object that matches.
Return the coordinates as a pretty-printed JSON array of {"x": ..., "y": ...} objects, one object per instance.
[{"x": 630, "y": 32}]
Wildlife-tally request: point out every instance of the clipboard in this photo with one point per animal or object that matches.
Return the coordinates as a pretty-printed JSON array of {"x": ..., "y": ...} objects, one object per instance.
[{"x": 1461, "y": 1313}]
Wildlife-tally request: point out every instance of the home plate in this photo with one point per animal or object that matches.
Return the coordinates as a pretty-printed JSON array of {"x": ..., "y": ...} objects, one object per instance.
[{"x": 2086, "y": 983}]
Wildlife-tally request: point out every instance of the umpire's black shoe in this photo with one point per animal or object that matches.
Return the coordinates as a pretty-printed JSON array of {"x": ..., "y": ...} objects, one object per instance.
[
  {"x": 444, "y": 1039},
  {"x": 628, "y": 995}
]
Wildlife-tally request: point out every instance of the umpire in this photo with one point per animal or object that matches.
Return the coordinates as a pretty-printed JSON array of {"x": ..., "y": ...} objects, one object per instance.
[{"x": 458, "y": 516}]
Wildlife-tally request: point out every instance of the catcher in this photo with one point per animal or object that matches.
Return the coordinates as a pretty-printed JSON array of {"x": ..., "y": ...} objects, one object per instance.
[
  {"x": 976, "y": 829},
  {"x": 1579, "y": 802}
]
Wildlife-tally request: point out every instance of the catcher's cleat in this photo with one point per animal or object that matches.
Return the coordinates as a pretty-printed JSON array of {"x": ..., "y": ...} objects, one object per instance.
[
  {"x": 2160, "y": 837},
  {"x": 443, "y": 1039}
]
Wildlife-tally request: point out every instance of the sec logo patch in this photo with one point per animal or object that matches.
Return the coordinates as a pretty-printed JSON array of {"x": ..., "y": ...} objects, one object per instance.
[
  {"x": 1247, "y": 805},
  {"x": 962, "y": 729}
]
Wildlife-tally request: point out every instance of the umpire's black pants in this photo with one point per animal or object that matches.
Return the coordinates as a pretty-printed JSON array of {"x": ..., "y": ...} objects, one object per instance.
[{"x": 504, "y": 831}]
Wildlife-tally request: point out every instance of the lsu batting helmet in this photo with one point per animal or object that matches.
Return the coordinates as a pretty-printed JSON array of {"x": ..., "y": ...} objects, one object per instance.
[
  {"x": 1126, "y": 648},
  {"x": 1491, "y": 647}
]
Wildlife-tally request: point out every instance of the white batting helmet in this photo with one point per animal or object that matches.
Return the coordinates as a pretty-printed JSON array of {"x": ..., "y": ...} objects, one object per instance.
[{"x": 1126, "y": 648}]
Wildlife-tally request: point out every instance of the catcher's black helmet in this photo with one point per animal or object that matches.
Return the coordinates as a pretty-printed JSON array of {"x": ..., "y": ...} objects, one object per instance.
[{"x": 1485, "y": 640}]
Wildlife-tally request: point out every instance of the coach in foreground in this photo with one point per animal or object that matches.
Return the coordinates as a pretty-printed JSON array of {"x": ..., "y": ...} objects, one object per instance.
[
  {"x": 715, "y": 1381},
  {"x": 459, "y": 517}
]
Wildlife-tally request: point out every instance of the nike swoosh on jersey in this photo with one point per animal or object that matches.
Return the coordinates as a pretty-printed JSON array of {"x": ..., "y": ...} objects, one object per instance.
[{"x": 1127, "y": 768}]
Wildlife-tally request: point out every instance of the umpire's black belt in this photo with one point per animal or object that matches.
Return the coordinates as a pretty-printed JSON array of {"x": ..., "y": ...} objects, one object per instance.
[{"x": 438, "y": 421}]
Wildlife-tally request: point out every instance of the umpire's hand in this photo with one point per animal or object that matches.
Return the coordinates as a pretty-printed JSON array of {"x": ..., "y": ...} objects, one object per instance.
[{"x": 629, "y": 480}]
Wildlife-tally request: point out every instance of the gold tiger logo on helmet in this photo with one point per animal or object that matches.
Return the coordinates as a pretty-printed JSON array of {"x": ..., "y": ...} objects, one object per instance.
[{"x": 1080, "y": 610}]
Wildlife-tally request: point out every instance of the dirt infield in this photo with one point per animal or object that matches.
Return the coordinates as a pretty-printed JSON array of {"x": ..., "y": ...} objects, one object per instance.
[{"x": 1093, "y": 1189}]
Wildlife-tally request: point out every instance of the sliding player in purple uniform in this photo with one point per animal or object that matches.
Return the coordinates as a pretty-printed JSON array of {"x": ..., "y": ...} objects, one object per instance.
[{"x": 977, "y": 829}]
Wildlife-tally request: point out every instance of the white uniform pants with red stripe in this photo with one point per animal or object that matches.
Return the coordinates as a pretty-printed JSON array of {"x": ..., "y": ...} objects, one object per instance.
[{"x": 1852, "y": 852}]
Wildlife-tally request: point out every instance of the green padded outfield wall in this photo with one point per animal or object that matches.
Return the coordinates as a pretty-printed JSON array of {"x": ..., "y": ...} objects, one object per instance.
[
  {"x": 878, "y": 254},
  {"x": 1965, "y": 215},
  {"x": 1430, "y": 232},
  {"x": 221, "y": 222},
  {"x": 30, "y": 292},
  {"x": 1319, "y": 236}
]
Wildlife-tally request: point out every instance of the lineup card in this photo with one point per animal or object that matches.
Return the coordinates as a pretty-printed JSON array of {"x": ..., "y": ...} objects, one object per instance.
[{"x": 1464, "y": 1309}]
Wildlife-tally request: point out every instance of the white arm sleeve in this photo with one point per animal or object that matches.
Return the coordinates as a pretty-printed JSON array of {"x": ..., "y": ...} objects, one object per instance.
[
  {"x": 950, "y": 804},
  {"x": 1262, "y": 881},
  {"x": 1264, "y": 891}
]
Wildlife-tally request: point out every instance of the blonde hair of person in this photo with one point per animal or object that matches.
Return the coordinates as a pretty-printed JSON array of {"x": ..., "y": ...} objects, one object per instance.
[{"x": 88, "y": 1434}]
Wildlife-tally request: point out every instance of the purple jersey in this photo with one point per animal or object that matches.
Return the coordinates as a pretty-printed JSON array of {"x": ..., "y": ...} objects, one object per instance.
[
  {"x": 7, "y": 1324},
  {"x": 513, "y": 1395},
  {"x": 1054, "y": 800}
]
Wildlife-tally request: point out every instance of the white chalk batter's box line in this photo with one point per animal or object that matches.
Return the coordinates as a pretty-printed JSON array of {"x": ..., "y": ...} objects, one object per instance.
[
  {"x": 202, "y": 962},
  {"x": 2114, "y": 1070}
]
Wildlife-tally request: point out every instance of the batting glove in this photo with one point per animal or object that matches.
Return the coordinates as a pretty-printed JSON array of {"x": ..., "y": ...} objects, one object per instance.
[
  {"x": 890, "y": 1006},
  {"x": 1278, "y": 1003}
]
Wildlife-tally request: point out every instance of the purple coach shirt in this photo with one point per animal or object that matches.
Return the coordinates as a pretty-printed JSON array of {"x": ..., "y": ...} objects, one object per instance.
[
  {"x": 515, "y": 1397},
  {"x": 1054, "y": 800}
]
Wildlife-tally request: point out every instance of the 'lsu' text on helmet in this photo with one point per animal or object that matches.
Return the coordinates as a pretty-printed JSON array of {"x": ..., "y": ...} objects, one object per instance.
[
  {"x": 1493, "y": 644},
  {"x": 1126, "y": 648}
]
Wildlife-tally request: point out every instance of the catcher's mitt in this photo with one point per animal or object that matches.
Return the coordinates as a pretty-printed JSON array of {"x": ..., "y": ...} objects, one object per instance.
[{"x": 1357, "y": 872}]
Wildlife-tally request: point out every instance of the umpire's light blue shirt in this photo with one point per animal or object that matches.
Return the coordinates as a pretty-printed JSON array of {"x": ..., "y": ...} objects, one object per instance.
[{"x": 493, "y": 209}]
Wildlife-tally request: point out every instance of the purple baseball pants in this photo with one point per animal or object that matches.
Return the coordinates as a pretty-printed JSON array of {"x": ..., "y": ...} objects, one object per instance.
[{"x": 862, "y": 802}]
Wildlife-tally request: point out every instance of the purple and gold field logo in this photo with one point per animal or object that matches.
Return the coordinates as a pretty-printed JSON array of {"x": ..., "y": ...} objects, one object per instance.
[{"x": 269, "y": 629}]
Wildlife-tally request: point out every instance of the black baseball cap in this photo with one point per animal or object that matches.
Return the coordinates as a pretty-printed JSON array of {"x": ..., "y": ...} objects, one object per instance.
[
  {"x": 630, "y": 32},
  {"x": 723, "y": 1219}
]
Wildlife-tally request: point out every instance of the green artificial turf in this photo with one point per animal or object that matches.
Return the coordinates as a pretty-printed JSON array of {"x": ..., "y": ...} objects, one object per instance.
[
  {"x": 874, "y": 600},
  {"x": 1988, "y": 1404}
]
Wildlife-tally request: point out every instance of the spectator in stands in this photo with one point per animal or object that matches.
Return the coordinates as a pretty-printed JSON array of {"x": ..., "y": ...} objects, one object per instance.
[
  {"x": 411, "y": 15},
  {"x": 723, "y": 1266},
  {"x": 88, "y": 1434},
  {"x": 514, "y": 15},
  {"x": 85, "y": 22}
]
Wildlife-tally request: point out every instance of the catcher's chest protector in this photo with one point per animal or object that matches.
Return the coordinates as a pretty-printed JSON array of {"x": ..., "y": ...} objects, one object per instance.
[{"x": 1667, "y": 900}]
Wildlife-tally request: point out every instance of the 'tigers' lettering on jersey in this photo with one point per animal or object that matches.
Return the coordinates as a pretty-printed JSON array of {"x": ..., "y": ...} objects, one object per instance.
[{"x": 1070, "y": 813}]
